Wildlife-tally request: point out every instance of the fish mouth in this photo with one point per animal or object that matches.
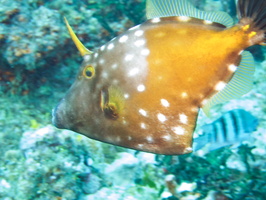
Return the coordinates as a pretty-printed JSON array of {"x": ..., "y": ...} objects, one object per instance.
[
  {"x": 62, "y": 118},
  {"x": 55, "y": 119},
  {"x": 58, "y": 118}
]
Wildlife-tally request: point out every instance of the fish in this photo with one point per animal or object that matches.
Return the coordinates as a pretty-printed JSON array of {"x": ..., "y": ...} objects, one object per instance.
[
  {"x": 232, "y": 128},
  {"x": 143, "y": 89}
]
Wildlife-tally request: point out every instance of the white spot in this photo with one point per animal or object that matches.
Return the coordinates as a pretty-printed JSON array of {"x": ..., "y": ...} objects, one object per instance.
[
  {"x": 141, "y": 88},
  {"x": 139, "y": 43},
  {"x": 183, "y": 118},
  {"x": 207, "y": 22},
  {"x": 87, "y": 57},
  {"x": 184, "y": 95},
  {"x": 149, "y": 139},
  {"x": 145, "y": 52},
  {"x": 156, "y": 20},
  {"x": 179, "y": 130},
  {"x": 194, "y": 109},
  {"x": 95, "y": 55},
  {"x": 115, "y": 81},
  {"x": 139, "y": 33},
  {"x": 160, "y": 34},
  {"x": 140, "y": 146},
  {"x": 183, "y": 18},
  {"x": 118, "y": 139},
  {"x": 167, "y": 137},
  {"x": 124, "y": 122},
  {"x": 105, "y": 75},
  {"x": 110, "y": 46},
  {"x": 143, "y": 125},
  {"x": 114, "y": 66},
  {"x": 98, "y": 86},
  {"x": 232, "y": 68},
  {"x": 143, "y": 112},
  {"x": 101, "y": 61},
  {"x": 161, "y": 117},
  {"x": 102, "y": 48},
  {"x": 158, "y": 61},
  {"x": 188, "y": 150},
  {"x": 165, "y": 103},
  {"x": 133, "y": 71},
  {"x": 123, "y": 39},
  {"x": 134, "y": 28},
  {"x": 219, "y": 86},
  {"x": 129, "y": 137},
  {"x": 204, "y": 102},
  {"x": 126, "y": 96},
  {"x": 129, "y": 57}
]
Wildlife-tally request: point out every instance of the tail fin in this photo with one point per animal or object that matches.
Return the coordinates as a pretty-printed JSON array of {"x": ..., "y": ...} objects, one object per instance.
[{"x": 253, "y": 13}]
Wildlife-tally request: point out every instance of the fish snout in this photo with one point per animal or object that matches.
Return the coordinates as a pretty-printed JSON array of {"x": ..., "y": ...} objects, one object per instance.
[
  {"x": 55, "y": 119},
  {"x": 58, "y": 118}
]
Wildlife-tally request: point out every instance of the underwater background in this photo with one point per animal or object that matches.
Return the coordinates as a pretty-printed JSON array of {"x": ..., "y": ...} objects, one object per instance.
[{"x": 38, "y": 63}]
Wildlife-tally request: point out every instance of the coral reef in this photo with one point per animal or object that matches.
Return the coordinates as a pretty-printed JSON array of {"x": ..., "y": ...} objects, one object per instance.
[
  {"x": 34, "y": 41},
  {"x": 39, "y": 162}
]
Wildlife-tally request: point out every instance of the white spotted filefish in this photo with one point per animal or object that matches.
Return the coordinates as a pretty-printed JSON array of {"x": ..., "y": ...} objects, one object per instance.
[
  {"x": 231, "y": 128},
  {"x": 143, "y": 89}
]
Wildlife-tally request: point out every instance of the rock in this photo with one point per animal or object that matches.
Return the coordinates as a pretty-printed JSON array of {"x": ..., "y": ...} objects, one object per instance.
[
  {"x": 121, "y": 171},
  {"x": 234, "y": 162}
]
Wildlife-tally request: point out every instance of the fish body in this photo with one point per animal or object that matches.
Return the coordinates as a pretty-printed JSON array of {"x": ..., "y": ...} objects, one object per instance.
[
  {"x": 143, "y": 89},
  {"x": 233, "y": 127}
]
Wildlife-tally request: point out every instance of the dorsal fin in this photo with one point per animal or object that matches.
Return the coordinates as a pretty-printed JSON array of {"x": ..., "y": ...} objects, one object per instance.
[
  {"x": 240, "y": 84},
  {"x": 167, "y": 8},
  {"x": 192, "y": 20}
]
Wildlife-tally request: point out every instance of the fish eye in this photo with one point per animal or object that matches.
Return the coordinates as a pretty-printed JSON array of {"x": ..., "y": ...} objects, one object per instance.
[{"x": 88, "y": 72}]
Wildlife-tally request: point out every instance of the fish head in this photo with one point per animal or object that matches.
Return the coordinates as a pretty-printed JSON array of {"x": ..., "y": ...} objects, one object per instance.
[
  {"x": 97, "y": 98},
  {"x": 118, "y": 99}
]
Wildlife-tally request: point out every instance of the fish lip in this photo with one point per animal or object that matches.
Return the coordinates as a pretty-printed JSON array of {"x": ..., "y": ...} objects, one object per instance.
[
  {"x": 60, "y": 121},
  {"x": 55, "y": 119}
]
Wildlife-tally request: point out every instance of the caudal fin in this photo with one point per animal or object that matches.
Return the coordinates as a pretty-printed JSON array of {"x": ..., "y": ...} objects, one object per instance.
[{"x": 253, "y": 14}]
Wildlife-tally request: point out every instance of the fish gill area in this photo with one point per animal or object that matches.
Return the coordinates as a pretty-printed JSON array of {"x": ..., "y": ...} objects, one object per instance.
[{"x": 39, "y": 162}]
